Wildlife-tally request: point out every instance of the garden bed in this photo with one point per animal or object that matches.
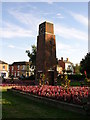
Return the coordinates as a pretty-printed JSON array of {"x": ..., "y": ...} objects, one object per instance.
[
  {"x": 15, "y": 106},
  {"x": 31, "y": 93}
]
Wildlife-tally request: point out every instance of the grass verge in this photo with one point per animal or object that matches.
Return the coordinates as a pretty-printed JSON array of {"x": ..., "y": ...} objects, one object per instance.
[{"x": 15, "y": 106}]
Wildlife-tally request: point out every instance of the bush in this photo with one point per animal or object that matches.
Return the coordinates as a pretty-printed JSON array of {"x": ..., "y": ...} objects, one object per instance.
[
  {"x": 75, "y": 77},
  {"x": 88, "y": 75},
  {"x": 32, "y": 77}
]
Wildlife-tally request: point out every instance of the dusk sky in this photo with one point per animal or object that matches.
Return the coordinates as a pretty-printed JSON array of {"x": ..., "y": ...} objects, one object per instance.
[{"x": 20, "y": 21}]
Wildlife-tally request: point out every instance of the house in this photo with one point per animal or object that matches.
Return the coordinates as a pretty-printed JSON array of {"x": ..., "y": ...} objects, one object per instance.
[
  {"x": 4, "y": 69},
  {"x": 65, "y": 65},
  {"x": 18, "y": 69}
]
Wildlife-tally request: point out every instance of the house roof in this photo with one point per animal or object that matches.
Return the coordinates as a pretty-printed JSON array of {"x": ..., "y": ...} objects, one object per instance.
[
  {"x": 68, "y": 62},
  {"x": 20, "y": 63},
  {"x": 64, "y": 61},
  {"x": 2, "y": 62}
]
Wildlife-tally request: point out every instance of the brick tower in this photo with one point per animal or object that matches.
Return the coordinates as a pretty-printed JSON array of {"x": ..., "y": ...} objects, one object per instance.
[{"x": 46, "y": 50}]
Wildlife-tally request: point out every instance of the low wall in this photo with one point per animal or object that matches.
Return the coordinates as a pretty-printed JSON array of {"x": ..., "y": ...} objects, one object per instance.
[
  {"x": 21, "y": 82},
  {"x": 52, "y": 102}
]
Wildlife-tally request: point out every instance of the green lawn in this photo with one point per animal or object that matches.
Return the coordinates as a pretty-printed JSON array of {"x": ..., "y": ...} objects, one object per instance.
[{"x": 14, "y": 106}]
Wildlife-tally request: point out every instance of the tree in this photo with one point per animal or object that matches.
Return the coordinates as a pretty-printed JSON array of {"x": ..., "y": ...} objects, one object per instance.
[
  {"x": 32, "y": 57},
  {"x": 85, "y": 64},
  {"x": 77, "y": 69}
]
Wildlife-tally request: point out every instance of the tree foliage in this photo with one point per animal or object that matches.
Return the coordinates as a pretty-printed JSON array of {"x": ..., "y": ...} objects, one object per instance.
[
  {"x": 32, "y": 56},
  {"x": 85, "y": 64},
  {"x": 77, "y": 69}
]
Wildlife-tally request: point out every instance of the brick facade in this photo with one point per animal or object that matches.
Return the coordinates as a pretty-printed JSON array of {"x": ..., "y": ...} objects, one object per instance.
[
  {"x": 46, "y": 49},
  {"x": 64, "y": 65},
  {"x": 18, "y": 69}
]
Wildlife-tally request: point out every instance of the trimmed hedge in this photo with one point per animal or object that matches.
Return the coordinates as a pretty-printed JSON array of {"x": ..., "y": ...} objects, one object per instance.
[
  {"x": 75, "y": 77},
  {"x": 32, "y": 77}
]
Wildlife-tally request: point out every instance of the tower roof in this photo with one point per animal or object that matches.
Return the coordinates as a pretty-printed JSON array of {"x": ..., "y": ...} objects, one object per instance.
[
  {"x": 49, "y": 22},
  {"x": 46, "y": 22}
]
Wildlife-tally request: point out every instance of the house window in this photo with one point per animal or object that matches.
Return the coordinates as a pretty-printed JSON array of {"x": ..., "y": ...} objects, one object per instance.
[
  {"x": 69, "y": 66},
  {"x": 3, "y": 75},
  {"x": 12, "y": 67},
  {"x": 15, "y": 74},
  {"x": 18, "y": 73},
  {"x": 3, "y": 67},
  {"x": 18, "y": 67},
  {"x": 23, "y": 67}
]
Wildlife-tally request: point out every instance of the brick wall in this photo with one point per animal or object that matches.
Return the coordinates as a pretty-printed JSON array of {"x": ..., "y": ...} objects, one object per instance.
[{"x": 46, "y": 48}]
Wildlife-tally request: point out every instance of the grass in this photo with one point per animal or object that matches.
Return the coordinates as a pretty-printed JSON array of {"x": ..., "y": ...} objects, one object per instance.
[{"x": 15, "y": 106}]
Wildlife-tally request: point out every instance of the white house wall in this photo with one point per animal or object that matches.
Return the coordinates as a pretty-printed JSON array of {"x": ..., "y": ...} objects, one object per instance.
[{"x": 66, "y": 66}]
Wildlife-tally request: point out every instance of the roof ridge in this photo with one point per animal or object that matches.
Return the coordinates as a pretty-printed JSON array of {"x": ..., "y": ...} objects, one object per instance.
[{"x": 2, "y": 62}]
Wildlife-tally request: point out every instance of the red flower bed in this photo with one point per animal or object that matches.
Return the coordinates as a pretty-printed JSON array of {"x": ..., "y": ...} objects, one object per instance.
[
  {"x": 72, "y": 94},
  {"x": 6, "y": 84}
]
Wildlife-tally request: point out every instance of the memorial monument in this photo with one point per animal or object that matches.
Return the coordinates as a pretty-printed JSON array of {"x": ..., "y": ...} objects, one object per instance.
[{"x": 46, "y": 52}]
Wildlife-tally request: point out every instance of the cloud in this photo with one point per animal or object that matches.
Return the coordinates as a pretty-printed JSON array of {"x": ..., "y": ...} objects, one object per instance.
[
  {"x": 28, "y": 19},
  {"x": 65, "y": 48},
  {"x": 12, "y": 31},
  {"x": 50, "y": 1},
  {"x": 31, "y": 23},
  {"x": 74, "y": 53},
  {"x": 59, "y": 15},
  {"x": 11, "y": 46},
  {"x": 16, "y": 47},
  {"x": 61, "y": 46},
  {"x": 80, "y": 18},
  {"x": 70, "y": 33}
]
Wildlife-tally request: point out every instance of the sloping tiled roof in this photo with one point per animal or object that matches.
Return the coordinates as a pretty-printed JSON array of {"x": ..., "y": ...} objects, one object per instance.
[
  {"x": 68, "y": 62},
  {"x": 63, "y": 62},
  {"x": 2, "y": 62},
  {"x": 20, "y": 63}
]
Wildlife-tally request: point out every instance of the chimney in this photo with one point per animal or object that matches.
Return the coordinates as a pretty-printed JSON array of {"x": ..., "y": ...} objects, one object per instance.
[
  {"x": 62, "y": 58},
  {"x": 67, "y": 59}
]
